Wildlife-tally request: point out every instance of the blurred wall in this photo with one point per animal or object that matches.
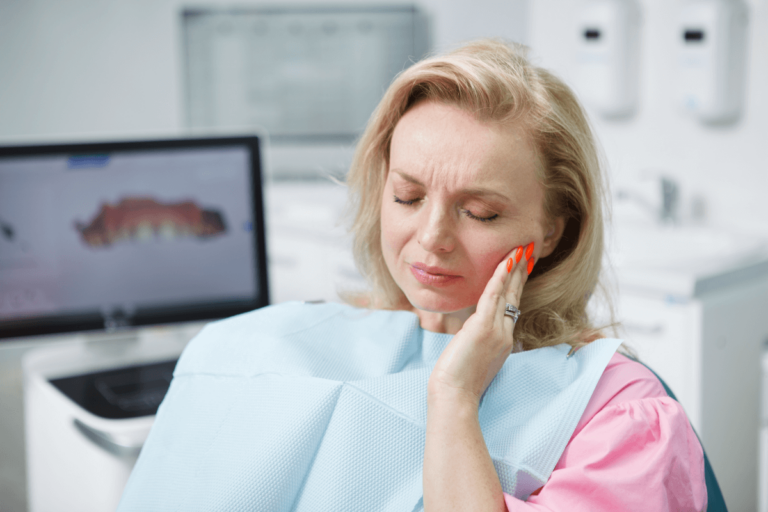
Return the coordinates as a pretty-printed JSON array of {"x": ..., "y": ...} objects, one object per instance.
[
  {"x": 85, "y": 68},
  {"x": 725, "y": 166},
  {"x": 88, "y": 68}
]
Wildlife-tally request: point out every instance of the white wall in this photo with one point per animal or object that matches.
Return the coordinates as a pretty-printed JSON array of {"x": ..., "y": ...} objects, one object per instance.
[
  {"x": 90, "y": 68},
  {"x": 87, "y": 67},
  {"x": 94, "y": 68},
  {"x": 725, "y": 165}
]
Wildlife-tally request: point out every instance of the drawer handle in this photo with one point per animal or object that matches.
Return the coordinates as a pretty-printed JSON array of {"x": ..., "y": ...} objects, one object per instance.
[{"x": 110, "y": 443}]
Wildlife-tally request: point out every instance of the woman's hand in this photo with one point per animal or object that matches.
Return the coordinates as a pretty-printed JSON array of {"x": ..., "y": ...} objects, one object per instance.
[
  {"x": 478, "y": 351},
  {"x": 458, "y": 470}
]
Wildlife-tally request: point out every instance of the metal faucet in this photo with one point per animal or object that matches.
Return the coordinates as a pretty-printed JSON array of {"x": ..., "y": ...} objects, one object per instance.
[
  {"x": 667, "y": 213},
  {"x": 670, "y": 197}
]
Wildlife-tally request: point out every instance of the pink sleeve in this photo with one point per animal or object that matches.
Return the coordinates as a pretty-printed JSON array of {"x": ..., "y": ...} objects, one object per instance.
[{"x": 630, "y": 451}]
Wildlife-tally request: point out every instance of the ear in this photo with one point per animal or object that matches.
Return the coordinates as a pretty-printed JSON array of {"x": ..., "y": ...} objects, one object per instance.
[{"x": 553, "y": 235}]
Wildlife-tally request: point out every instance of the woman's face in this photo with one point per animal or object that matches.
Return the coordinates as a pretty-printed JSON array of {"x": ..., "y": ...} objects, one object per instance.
[{"x": 460, "y": 195}]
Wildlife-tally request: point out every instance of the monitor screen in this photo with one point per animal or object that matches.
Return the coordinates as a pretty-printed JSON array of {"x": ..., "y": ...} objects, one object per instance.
[
  {"x": 109, "y": 235},
  {"x": 305, "y": 73}
]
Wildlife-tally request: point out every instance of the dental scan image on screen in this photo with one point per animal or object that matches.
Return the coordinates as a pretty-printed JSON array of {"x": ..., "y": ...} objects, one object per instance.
[
  {"x": 125, "y": 230},
  {"x": 144, "y": 218}
]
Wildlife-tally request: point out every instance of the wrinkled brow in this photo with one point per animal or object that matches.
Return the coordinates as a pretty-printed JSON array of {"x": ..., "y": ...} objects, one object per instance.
[{"x": 477, "y": 192}]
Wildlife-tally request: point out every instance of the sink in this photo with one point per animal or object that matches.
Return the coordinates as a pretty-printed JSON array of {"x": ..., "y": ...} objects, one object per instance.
[
  {"x": 681, "y": 260},
  {"x": 639, "y": 245}
]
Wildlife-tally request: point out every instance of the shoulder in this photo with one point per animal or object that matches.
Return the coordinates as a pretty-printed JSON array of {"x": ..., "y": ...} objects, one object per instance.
[
  {"x": 281, "y": 317},
  {"x": 224, "y": 345},
  {"x": 623, "y": 381},
  {"x": 290, "y": 318},
  {"x": 633, "y": 449},
  {"x": 263, "y": 337},
  {"x": 293, "y": 316}
]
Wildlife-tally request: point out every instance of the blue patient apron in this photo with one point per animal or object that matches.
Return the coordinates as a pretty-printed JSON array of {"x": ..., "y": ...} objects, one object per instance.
[{"x": 302, "y": 407}]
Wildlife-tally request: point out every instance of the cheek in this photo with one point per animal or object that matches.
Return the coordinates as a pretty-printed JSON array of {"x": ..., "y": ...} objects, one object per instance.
[
  {"x": 483, "y": 250},
  {"x": 388, "y": 230},
  {"x": 484, "y": 262},
  {"x": 486, "y": 253},
  {"x": 394, "y": 233}
]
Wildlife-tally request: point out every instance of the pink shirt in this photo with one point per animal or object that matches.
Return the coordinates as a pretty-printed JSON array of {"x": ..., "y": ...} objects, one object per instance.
[{"x": 633, "y": 449}]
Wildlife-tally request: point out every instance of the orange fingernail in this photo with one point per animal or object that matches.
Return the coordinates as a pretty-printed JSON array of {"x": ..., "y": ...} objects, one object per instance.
[
  {"x": 529, "y": 250},
  {"x": 518, "y": 254},
  {"x": 531, "y": 263},
  {"x": 509, "y": 266}
]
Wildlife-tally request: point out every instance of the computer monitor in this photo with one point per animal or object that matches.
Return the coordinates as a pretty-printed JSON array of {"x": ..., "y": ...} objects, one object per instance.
[{"x": 118, "y": 234}]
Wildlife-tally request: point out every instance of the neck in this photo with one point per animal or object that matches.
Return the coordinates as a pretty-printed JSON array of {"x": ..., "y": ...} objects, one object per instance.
[{"x": 446, "y": 323}]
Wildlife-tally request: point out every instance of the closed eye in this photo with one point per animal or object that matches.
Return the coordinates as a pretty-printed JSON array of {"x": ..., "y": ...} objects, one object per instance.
[
  {"x": 479, "y": 218},
  {"x": 408, "y": 202}
]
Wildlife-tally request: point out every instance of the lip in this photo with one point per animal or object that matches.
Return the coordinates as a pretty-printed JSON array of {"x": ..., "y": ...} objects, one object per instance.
[{"x": 433, "y": 276}]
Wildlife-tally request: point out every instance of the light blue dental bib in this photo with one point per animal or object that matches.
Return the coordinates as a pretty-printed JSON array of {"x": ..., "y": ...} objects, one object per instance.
[{"x": 303, "y": 407}]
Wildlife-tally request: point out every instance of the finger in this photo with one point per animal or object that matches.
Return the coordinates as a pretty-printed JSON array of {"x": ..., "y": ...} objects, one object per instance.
[
  {"x": 494, "y": 292},
  {"x": 517, "y": 279},
  {"x": 517, "y": 269},
  {"x": 513, "y": 265}
]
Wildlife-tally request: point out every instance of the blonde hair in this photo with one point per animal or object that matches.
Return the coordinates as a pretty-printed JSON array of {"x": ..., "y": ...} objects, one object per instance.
[{"x": 495, "y": 81}]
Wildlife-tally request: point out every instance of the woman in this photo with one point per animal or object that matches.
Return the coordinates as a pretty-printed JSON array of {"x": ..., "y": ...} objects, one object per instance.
[
  {"x": 477, "y": 194},
  {"x": 486, "y": 153}
]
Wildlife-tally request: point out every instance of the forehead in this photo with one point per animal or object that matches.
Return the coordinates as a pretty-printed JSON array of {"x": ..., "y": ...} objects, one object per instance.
[{"x": 444, "y": 146}]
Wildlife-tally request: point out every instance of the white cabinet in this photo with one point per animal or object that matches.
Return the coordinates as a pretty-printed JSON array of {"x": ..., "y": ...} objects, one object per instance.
[
  {"x": 308, "y": 248},
  {"x": 77, "y": 458},
  {"x": 665, "y": 335}
]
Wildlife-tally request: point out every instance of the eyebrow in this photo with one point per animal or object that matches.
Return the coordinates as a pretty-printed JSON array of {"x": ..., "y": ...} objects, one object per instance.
[{"x": 478, "y": 192}]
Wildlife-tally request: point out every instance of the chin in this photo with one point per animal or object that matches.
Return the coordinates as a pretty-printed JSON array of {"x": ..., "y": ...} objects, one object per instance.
[{"x": 427, "y": 300}]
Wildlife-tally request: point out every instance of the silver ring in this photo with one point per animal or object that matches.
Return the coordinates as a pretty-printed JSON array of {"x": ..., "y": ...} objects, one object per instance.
[{"x": 512, "y": 311}]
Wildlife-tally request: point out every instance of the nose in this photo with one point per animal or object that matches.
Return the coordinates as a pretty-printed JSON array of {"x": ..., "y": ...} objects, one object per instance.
[{"x": 436, "y": 232}]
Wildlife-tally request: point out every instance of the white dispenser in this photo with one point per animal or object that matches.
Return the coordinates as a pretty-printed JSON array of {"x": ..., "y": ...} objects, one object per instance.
[
  {"x": 608, "y": 56},
  {"x": 712, "y": 48}
]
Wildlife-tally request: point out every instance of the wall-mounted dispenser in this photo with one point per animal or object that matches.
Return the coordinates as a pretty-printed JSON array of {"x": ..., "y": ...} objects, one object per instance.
[
  {"x": 712, "y": 53},
  {"x": 608, "y": 56}
]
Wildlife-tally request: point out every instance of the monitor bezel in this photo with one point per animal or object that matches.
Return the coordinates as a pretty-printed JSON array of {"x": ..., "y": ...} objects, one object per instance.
[{"x": 146, "y": 316}]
